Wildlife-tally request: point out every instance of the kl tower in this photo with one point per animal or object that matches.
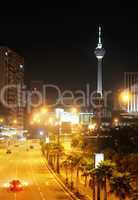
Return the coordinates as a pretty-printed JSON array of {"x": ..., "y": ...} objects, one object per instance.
[{"x": 99, "y": 53}]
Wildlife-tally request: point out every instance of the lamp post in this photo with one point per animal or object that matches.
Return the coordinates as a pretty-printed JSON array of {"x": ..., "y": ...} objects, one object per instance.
[{"x": 58, "y": 143}]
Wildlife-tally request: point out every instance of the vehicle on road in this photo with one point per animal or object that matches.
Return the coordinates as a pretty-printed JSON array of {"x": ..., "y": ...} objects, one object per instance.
[
  {"x": 16, "y": 145},
  {"x": 15, "y": 186},
  {"x": 8, "y": 151},
  {"x": 31, "y": 147}
]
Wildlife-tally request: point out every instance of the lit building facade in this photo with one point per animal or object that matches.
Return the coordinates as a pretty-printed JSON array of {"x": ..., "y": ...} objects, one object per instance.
[
  {"x": 12, "y": 73},
  {"x": 131, "y": 86}
]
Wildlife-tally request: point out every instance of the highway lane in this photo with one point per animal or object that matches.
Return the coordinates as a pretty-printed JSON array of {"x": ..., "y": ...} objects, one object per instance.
[{"x": 29, "y": 167}]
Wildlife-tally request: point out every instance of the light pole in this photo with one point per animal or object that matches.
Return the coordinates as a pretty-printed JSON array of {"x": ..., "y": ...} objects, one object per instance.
[{"x": 58, "y": 143}]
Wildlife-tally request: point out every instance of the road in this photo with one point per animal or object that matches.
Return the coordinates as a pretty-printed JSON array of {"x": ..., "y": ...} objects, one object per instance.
[{"x": 29, "y": 167}]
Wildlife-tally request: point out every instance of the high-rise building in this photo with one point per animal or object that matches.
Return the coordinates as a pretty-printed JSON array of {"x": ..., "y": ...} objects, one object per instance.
[
  {"x": 131, "y": 87},
  {"x": 99, "y": 53},
  {"x": 12, "y": 74}
]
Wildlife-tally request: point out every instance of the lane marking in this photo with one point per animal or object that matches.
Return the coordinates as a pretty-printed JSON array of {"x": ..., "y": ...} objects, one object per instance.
[
  {"x": 34, "y": 177},
  {"x": 15, "y": 196},
  {"x": 42, "y": 196}
]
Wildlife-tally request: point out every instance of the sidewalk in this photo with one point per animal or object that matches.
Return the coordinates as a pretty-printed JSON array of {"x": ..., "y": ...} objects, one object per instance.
[{"x": 84, "y": 190}]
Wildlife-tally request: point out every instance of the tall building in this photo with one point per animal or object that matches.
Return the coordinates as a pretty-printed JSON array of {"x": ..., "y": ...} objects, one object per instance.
[
  {"x": 12, "y": 73},
  {"x": 99, "y": 53},
  {"x": 131, "y": 86}
]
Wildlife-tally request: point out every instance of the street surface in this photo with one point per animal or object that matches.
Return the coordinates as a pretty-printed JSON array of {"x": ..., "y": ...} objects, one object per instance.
[{"x": 29, "y": 166}]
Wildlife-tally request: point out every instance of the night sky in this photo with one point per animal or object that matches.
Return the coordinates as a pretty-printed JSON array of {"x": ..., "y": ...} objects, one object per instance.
[{"x": 58, "y": 43}]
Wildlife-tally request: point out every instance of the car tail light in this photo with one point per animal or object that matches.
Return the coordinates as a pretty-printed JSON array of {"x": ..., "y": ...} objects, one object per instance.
[{"x": 19, "y": 186}]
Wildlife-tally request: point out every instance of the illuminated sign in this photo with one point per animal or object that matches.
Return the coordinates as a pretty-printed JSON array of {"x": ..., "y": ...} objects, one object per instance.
[{"x": 99, "y": 157}]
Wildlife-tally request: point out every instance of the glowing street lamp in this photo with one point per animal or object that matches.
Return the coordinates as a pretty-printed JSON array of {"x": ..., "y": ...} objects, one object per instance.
[
  {"x": 41, "y": 133},
  {"x": 116, "y": 121},
  {"x": 1, "y": 120},
  {"x": 14, "y": 121},
  {"x": 43, "y": 110},
  {"x": 50, "y": 121},
  {"x": 74, "y": 110}
]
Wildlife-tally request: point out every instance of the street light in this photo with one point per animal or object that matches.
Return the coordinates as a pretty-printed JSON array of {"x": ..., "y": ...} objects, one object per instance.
[
  {"x": 116, "y": 121},
  {"x": 15, "y": 121},
  {"x": 1, "y": 120},
  {"x": 41, "y": 133},
  {"x": 43, "y": 110},
  {"x": 50, "y": 121},
  {"x": 74, "y": 110},
  {"x": 59, "y": 123}
]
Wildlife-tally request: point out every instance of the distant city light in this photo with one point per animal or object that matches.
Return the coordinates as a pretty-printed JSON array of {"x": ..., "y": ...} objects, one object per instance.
[
  {"x": 92, "y": 126},
  {"x": 21, "y": 66},
  {"x": 47, "y": 140},
  {"x": 41, "y": 133}
]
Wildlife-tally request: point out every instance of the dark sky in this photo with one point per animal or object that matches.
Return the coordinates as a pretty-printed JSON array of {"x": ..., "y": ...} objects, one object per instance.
[{"x": 57, "y": 43}]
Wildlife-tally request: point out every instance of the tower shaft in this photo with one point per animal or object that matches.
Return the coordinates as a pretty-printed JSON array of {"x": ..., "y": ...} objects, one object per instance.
[{"x": 99, "y": 78}]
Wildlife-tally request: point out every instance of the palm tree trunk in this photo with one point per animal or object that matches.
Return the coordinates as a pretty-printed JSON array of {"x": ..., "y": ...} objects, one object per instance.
[
  {"x": 66, "y": 170},
  {"x": 71, "y": 180},
  {"x": 85, "y": 182},
  {"x": 136, "y": 182},
  {"x": 93, "y": 185},
  {"x": 77, "y": 179},
  {"x": 105, "y": 190},
  {"x": 98, "y": 191}
]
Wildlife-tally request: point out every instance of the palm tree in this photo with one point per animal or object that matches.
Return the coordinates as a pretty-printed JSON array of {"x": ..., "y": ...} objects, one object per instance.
[
  {"x": 86, "y": 167},
  {"x": 65, "y": 164},
  {"x": 103, "y": 173},
  {"x": 120, "y": 185},
  {"x": 74, "y": 164}
]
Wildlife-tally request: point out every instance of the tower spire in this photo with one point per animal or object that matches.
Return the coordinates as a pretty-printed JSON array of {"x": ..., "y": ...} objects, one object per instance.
[
  {"x": 99, "y": 34},
  {"x": 99, "y": 46}
]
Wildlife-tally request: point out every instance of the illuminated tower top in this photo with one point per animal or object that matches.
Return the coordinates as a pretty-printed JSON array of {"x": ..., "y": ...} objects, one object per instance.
[{"x": 99, "y": 53}]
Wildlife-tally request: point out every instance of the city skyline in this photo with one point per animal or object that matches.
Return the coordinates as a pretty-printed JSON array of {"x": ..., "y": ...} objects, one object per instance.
[
  {"x": 52, "y": 46},
  {"x": 69, "y": 101}
]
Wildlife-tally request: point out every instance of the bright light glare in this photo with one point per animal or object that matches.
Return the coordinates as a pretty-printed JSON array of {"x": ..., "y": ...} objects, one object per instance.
[
  {"x": 92, "y": 126},
  {"x": 15, "y": 121},
  {"x": 41, "y": 133},
  {"x": 1, "y": 120},
  {"x": 25, "y": 183},
  {"x": 74, "y": 110},
  {"x": 47, "y": 140},
  {"x": 99, "y": 157},
  {"x": 6, "y": 185},
  {"x": 44, "y": 110},
  {"x": 125, "y": 96},
  {"x": 50, "y": 121}
]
